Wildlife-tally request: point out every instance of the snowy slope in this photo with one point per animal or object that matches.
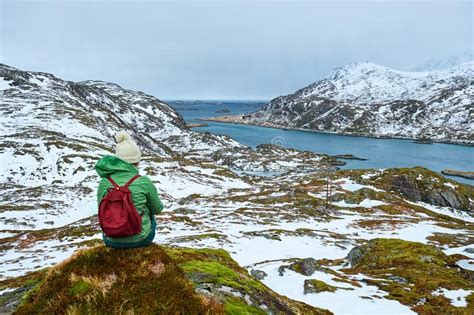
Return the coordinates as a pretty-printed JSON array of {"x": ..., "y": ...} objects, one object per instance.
[
  {"x": 368, "y": 99},
  {"x": 445, "y": 63},
  {"x": 271, "y": 223},
  {"x": 53, "y": 132}
]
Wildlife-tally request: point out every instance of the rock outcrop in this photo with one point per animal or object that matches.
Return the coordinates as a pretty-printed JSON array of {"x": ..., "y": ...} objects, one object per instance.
[
  {"x": 421, "y": 184},
  {"x": 151, "y": 280}
]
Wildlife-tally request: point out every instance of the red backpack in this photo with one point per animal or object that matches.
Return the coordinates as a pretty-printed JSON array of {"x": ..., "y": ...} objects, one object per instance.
[{"x": 118, "y": 217}]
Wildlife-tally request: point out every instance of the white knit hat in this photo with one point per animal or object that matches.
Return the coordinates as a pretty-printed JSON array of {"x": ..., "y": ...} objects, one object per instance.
[{"x": 126, "y": 148}]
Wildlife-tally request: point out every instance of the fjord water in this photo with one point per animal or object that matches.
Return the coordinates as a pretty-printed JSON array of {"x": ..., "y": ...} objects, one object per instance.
[{"x": 381, "y": 153}]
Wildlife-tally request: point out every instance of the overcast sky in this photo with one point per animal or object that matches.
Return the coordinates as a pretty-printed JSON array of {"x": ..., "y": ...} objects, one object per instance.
[{"x": 224, "y": 49}]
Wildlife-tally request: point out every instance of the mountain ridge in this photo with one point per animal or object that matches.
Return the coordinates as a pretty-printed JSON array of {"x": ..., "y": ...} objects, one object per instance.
[
  {"x": 444, "y": 63},
  {"x": 371, "y": 100}
]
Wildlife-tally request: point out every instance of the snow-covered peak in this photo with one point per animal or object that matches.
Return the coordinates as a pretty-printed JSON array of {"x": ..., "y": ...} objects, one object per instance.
[
  {"x": 360, "y": 70},
  {"x": 437, "y": 64},
  {"x": 369, "y": 99},
  {"x": 357, "y": 69},
  {"x": 6, "y": 67},
  {"x": 100, "y": 84},
  {"x": 368, "y": 83}
]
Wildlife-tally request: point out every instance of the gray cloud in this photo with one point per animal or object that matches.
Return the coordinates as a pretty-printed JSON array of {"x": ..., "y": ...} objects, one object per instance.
[{"x": 226, "y": 50}]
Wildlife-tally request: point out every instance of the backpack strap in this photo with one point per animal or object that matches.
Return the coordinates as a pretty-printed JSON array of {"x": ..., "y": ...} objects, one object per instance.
[
  {"x": 131, "y": 181},
  {"x": 126, "y": 185},
  {"x": 112, "y": 182}
]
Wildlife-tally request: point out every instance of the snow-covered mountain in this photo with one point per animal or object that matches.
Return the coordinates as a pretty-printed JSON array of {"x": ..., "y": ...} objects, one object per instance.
[
  {"x": 53, "y": 131},
  {"x": 96, "y": 109},
  {"x": 445, "y": 63},
  {"x": 368, "y": 99}
]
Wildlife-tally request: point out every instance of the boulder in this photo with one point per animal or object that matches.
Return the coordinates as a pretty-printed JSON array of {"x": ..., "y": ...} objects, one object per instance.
[
  {"x": 398, "y": 279},
  {"x": 258, "y": 274},
  {"x": 355, "y": 255}
]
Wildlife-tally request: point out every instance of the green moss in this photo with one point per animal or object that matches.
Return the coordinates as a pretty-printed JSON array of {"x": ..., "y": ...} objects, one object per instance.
[
  {"x": 320, "y": 286},
  {"x": 70, "y": 231},
  {"x": 180, "y": 218},
  {"x": 80, "y": 287},
  {"x": 384, "y": 224},
  {"x": 239, "y": 307},
  {"x": 394, "y": 209},
  {"x": 189, "y": 198},
  {"x": 275, "y": 234},
  {"x": 345, "y": 279},
  {"x": 221, "y": 274},
  {"x": 35, "y": 287},
  {"x": 424, "y": 267},
  {"x": 235, "y": 276},
  {"x": 225, "y": 172},
  {"x": 451, "y": 240},
  {"x": 124, "y": 281},
  {"x": 183, "y": 254},
  {"x": 76, "y": 231},
  {"x": 13, "y": 207}
]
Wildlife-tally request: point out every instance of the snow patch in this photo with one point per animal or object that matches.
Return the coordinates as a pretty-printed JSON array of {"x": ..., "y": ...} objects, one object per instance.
[
  {"x": 467, "y": 264},
  {"x": 366, "y": 203},
  {"x": 4, "y": 85},
  {"x": 457, "y": 297},
  {"x": 360, "y": 300},
  {"x": 451, "y": 212},
  {"x": 350, "y": 185}
]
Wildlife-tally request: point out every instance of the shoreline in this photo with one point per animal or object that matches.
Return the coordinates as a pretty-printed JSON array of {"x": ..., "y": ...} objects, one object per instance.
[
  {"x": 195, "y": 125},
  {"x": 238, "y": 120},
  {"x": 456, "y": 173}
]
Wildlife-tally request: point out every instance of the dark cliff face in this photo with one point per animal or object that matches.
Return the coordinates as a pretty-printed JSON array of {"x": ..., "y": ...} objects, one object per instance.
[
  {"x": 420, "y": 184},
  {"x": 444, "y": 197}
]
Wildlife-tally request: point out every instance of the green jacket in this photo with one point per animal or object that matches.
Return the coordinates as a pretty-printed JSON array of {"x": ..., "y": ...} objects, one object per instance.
[{"x": 144, "y": 194}]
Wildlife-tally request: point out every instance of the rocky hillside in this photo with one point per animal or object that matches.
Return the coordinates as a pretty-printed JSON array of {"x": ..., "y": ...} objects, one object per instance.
[
  {"x": 285, "y": 234},
  {"x": 414, "y": 273},
  {"x": 291, "y": 233},
  {"x": 53, "y": 131},
  {"x": 39, "y": 105},
  {"x": 372, "y": 100},
  {"x": 152, "y": 280}
]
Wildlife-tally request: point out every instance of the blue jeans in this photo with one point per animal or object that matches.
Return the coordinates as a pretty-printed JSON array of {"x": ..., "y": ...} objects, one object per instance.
[{"x": 145, "y": 242}]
